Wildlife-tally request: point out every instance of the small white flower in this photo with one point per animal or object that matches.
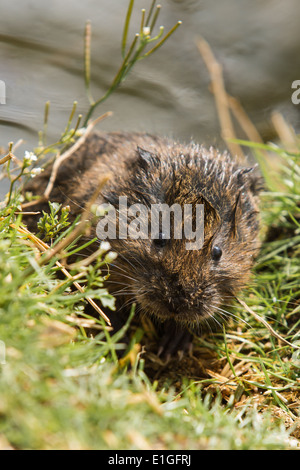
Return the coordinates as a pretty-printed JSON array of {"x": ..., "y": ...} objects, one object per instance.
[
  {"x": 111, "y": 256},
  {"x": 146, "y": 31},
  {"x": 101, "y": 209},
  {"x": 30, "y": 157},
  {"x": 36, "y": 171},
  {"x": 105, "y": 246}
]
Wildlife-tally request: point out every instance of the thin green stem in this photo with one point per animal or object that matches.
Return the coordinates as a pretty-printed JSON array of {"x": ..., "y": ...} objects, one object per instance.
[
  {"x": 115, "y": 83},
  {"x": 131, "y": 57},
  {"x": 76, "y": 126},
  {"x": 153, "y": 22},
  {"x": 126, "y": 26},
  {"x": 123, "y": 66},
  {"x": 70, "y": 118},
  {"x": 142, "y": 22},
  {"x": 46, "y": 116},
  {"x": 150, "y": 13},
  {"x": 227, "y": 353},
  {"x": 163, "y": 40},
  {"x": 12, "y": 182},
  {"x": 155, "y": 38}
]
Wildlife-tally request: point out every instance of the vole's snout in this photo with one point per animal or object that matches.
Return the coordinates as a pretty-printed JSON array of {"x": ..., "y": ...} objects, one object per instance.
[
  {"x": 169, "y": 292},
  {"x": 178, "y": 298},
  {"x": 176, "y": 304}
]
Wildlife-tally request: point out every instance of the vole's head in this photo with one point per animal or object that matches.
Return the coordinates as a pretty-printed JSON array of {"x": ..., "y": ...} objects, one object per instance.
[{"x": 178, "y": 278}]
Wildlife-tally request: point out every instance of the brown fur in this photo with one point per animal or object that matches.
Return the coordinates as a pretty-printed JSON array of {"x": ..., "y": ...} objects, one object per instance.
[{"x": 170, "y": 282}]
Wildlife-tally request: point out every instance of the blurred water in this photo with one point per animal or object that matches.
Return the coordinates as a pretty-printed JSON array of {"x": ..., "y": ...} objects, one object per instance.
[{"x": 41, "y": 59}]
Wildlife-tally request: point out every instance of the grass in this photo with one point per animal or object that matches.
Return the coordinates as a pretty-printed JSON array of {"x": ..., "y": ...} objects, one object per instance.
[{"x": 61, "y": 388}]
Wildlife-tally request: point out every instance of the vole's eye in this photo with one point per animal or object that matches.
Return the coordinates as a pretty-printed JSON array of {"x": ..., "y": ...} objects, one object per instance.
[
  {"x": 216, "y": 253},
  {"x": 160, "y": 240}
]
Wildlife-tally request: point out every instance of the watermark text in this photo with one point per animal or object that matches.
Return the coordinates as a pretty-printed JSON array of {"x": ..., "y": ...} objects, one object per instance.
[
  {"x": 296, "y": 95},
  {"x": 2, "y": 92},
  {"x": 159, "y": 221}
]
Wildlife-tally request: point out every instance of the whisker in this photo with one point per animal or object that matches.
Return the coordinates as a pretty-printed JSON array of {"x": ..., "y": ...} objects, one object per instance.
[
  {"x": 230, "y": 314},
  {"x": 122, "y": 275}
]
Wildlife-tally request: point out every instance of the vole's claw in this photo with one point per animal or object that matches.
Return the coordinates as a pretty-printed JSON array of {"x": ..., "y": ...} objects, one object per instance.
[
  {"x": 180, "y": 354},
  {"x": 174, "y": 340},
  {"x": 160, "y": 350}
]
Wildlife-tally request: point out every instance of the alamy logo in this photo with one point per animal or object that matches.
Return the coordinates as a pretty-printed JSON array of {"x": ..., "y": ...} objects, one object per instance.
[
  {"x": 2, "y": 352},
  {"x": 2, "y": 92},
  {"x": 296, "y": 95},
  {"x": 157, "y": 221}
]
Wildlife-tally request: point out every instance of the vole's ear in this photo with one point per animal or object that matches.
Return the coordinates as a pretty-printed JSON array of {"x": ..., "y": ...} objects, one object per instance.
[
  {"x": 249, "y": 186},
  {"x": 144, "y": 157},
  {"x": 257, "y": 184},
  {"x": 251, "y": 178},
  {"x": 236, "y": 213}
]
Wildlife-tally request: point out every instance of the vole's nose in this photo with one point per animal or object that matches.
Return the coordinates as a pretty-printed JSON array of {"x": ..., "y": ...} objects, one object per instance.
[{"x": 176, "y": 303}]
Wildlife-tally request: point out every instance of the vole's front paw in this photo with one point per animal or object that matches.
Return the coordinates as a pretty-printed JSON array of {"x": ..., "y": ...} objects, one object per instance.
[{"x": 174, "y": 341}]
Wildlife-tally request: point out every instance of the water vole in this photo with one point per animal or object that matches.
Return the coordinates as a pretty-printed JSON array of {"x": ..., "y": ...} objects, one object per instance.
[{"x": 177, "y": 287}]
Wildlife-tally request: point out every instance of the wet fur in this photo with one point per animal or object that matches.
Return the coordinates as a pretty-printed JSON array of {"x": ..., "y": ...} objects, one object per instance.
[{"x": 170, "y": 284}]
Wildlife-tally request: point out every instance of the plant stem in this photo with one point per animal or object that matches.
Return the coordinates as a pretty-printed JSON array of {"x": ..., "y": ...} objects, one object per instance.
[{"x": 126, "y": 26}]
